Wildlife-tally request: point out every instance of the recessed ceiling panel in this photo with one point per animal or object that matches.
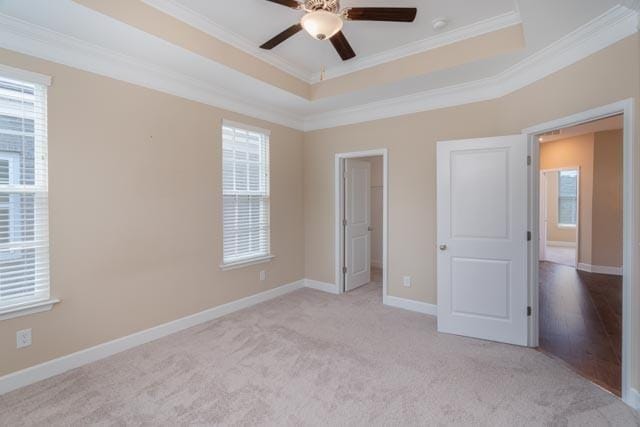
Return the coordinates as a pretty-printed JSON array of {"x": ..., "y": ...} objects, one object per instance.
[{"x": 258, "y": 20}]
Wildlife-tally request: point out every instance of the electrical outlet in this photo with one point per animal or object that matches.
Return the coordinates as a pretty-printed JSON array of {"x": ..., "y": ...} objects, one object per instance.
[
  {"x": 263, "y": 276},
  {"x": 406, "y": 281},
  {"x": 23, "y": 338}
]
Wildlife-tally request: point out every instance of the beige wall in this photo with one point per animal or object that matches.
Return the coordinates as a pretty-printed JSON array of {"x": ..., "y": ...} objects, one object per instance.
[
  {"x": 607, "y": 76},
  {"x": 555, "y": 233},
  {"x": 607, "y": 199},
  {"x": 135, "y": 213},
  {"x": 569, "y": 153}
]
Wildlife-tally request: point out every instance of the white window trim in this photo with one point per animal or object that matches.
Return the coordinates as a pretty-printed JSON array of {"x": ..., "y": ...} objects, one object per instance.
[
  {"x": 245, "y": 263},
  {"x": 566, "y": 225},
  {"x": 559, "y": 224},
  {"x": 32, "y": 306},
  {"x": 259, "y": 259},
  {"x": 25, "y": 309}
]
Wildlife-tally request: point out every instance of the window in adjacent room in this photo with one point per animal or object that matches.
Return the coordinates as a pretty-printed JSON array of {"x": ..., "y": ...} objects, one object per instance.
[
  {"x": 245, "y": 192},
  {"x": 24, "y": 236},
  {"x": 567, "y": 198}
]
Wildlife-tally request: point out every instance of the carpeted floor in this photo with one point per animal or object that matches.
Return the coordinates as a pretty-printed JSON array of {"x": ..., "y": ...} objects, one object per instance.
[{"x": 311, "y": 358}]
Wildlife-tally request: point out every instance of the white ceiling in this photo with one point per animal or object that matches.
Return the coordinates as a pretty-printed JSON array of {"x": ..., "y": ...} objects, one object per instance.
[{"x": 247, "y": 19}]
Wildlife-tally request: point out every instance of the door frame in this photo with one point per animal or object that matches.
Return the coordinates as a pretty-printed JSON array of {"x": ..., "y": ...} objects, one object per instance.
[
  {"x": 543, "y": 192},
  {"x": 339, "y": 214},
  {"x": 629, "y": 291}
]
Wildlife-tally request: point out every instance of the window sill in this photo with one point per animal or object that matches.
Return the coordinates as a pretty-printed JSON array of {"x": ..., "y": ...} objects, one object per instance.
[
  {"x": 246, "y": 262},
  {"x": 27, "y": 308},
  {"x": 566, "y": 226}
]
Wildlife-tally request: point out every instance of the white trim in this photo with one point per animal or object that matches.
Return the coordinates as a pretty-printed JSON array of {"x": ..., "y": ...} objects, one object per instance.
[
  {"x": 31, "y": 39},
  {"x": 206, "y": 25},
  {"x": 244, "y": 126},
  {"x": 338, "y": 235},
  {"x": 614, "y": 25},
  {"x": 630, "y": 289},
  {"x": 321, "y": 286},
  {"x": 246, "y": 262},
  {"x": 412, "y": 305},
  {"x": 489, "y": 25},
  {"x": 561, "y": 244},
  {"x": 28, "y": 308},
  {"x": 24, "y": 75},
  {"x": 63, "y": 364},
  {"x": 601, "y": 269},
  {"x": 634, "y": 399}
]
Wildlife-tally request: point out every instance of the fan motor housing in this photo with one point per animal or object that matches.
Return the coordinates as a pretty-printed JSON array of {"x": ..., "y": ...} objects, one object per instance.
[{"x": 332, "y": 6}]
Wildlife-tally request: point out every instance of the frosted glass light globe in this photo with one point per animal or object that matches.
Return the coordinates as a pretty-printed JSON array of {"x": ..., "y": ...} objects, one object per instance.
[{"x": 321, "y": 25}]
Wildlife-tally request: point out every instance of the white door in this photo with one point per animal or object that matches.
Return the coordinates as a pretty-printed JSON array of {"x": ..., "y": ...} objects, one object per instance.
[
  {"x": 358, "y": 223},
  {"x": 544, "y": 217},
  {"x": 482, "y": 238}
]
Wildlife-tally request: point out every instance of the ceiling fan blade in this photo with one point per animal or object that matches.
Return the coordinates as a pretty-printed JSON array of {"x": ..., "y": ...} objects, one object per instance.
[
  {"x": 391, "y": 14},
  {"x": 289, "y": 3},
  {"x": 291, "y": 31},
  {"x": 339, "y": 41}
]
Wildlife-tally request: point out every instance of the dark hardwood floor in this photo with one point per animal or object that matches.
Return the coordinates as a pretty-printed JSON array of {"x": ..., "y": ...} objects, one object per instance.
[{"x": 581, "y": 321}]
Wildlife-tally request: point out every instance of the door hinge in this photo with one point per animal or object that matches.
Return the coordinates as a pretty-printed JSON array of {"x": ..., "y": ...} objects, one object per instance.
[
  {"x": 344, "y": 270},
  {"x": 528, "y": 236},
  {"x": 344, "y": 222},
  {"x": 529, "y": 311},
  {"x": 528, "y": 160}
]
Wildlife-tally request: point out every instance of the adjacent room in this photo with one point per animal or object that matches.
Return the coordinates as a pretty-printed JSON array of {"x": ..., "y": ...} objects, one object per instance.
[
  {"x": 319, "y": 212},
  {"x": 581, "y": 234}
]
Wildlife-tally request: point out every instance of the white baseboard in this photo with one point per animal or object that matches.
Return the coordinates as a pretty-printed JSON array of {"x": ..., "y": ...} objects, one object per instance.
[
  {"x": 62, "y": 364},
  {"x": 412, "y": 305},
  {"x": 602, "y": 269},
  {"x": 561, "y": 244},
  {"x": 633, "y": 399},
  {"x": 331, "y": 288}
]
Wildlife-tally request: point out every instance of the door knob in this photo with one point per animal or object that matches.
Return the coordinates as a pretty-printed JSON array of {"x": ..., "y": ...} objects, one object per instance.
[
  {"x": 443, "y": 247},
  {"x": 370, "y": 228}
]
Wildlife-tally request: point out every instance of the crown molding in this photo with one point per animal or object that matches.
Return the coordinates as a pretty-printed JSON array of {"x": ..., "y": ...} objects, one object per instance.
[
  {"x": 479, "y": 28},
  {"x": 610, "y": 27},
  {"x": 206, "y": 25},
  {"x": 614, "y": 25},
  {"x": 31, "y": 39}
]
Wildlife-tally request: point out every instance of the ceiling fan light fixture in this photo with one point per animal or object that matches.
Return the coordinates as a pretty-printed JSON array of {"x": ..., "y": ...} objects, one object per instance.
[{"x": 321, "y": 24}]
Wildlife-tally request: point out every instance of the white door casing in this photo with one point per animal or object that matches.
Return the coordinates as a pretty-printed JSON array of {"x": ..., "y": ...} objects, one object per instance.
[
  {"x": 358, "y": 223},
  {"x": 482, "y": 236}
]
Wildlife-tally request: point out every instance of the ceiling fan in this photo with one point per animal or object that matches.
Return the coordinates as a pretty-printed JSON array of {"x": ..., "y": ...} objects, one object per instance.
[{"x": 324, "y": 19}]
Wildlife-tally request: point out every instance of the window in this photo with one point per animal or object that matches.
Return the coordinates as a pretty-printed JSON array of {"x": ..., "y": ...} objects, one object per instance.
[
  {"x": 567, "y": 198},
  {"x": 245, "y": 192},
  {"x": 24, "y": 240}
]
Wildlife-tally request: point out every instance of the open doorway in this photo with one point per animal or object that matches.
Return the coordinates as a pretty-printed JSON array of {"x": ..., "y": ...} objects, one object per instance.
[
  {"x": 559, "y": 215},
  {"x": 360, "y": 220},
  {"x": 581, "y": 248}
]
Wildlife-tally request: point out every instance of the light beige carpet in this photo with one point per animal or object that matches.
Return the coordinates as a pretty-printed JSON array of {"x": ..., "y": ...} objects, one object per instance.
[{"x": 311, "y": 358}]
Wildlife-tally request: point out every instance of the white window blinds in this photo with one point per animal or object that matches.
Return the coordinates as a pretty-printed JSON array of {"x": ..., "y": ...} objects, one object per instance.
[
  {"x": 245, "y": 189},
  {"x": 568, "y": 197},
  {"x": 24, "y": 228}
]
